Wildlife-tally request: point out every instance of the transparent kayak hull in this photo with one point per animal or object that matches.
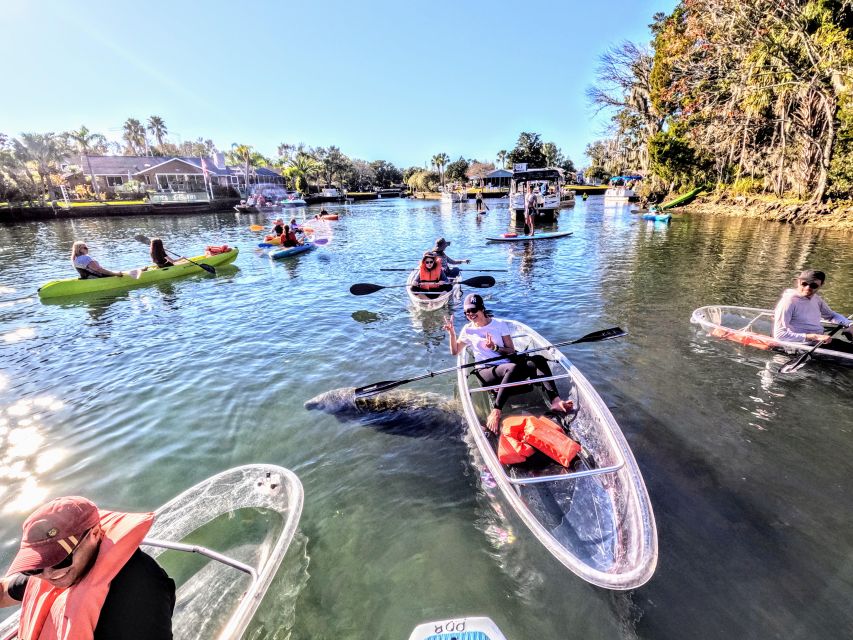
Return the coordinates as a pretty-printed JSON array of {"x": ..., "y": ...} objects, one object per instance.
[
  {"x": 250, "y": 514},
  {"x": 431, "y": 301},
  {"x": 595, "y": 517},
  {"x": 753, "y": 327}
]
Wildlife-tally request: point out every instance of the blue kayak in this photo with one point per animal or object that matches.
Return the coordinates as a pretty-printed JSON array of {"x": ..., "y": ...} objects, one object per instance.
[
  {"x": 292, "y": 251},
  {"x": 658, "y": 217}
]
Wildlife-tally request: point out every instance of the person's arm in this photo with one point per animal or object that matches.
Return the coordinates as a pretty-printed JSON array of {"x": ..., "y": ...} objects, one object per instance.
[
  {"x": 828, "y": 314},
  {"x": 97, "y": 268},
  {"x": 12, "y": 590},
  {"x": 782, "y": 324},
  {"x": 455, "y": 345}
]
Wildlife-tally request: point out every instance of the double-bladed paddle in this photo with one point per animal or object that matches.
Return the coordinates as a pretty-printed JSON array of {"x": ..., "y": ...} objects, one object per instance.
[
  {"x": 466, "y": 269},
  {"x": 318, "y": 241},
  {"x": 387, "y": 385},
  {"x": 795, "y": 364},
  {"x": 364, "y": 288},
  {"x": 206, "y": 267}
]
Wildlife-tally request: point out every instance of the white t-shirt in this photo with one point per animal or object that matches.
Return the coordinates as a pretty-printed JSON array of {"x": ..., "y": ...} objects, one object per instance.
[
  {"x": 82, "y": 261},
  {"x": 475, "y": 337}
]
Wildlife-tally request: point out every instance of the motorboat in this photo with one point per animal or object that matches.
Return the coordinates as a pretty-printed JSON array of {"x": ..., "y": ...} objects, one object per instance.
[{"x": 547, "y": 185}]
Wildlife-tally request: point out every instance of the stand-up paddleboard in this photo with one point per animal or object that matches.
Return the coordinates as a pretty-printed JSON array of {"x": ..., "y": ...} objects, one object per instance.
[
  {"x": 222, "y": 541},
  {"x": 475, "y": 628},
  {"x": 510, "y": 237}
]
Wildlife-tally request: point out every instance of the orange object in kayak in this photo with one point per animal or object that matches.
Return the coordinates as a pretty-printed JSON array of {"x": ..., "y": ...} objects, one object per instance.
[
  {"x": 514, "y": 426},
  {"x": 509, "y": 235},
  {"x": 215, "y": 251},
  {"x": 747, "y": 339},
  {"x": 511, "y": 449},
  {"x": 333, "y": 216},
  {"x": 548, "y": 437}
]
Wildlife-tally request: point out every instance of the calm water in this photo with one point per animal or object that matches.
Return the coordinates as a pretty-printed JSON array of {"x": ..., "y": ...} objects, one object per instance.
[{"x": 131, "y": 398}]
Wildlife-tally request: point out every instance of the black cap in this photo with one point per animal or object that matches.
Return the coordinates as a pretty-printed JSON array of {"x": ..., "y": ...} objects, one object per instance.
[
  {"x": 473, "y": 301},
  {"x": 812, "y": 275}
]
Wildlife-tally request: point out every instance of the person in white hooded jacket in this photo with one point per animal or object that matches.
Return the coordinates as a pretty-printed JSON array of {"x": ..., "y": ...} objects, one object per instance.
[{"x": 799, "y": 312}]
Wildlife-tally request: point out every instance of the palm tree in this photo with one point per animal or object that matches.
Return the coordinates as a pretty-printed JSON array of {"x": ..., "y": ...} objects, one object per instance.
[
  {"x": 134, "y": 135},
  {"x": 502, "y": 154},
  {"x": 243, "y": 153},
  {"x": 85, "y": 140},
  {"x": 45, "y": 151},
  {"x": 157, "y": 127},
  {"x": 439, "y": 160},
  {"x": 300, "y": 169}
]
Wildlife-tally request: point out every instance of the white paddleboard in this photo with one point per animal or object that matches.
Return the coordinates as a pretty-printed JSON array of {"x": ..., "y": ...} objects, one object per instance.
[{"x": 473, "y": 628}]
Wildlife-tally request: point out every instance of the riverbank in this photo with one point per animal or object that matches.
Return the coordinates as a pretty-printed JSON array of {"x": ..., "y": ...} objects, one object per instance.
[
  {"x": 833, "y": 215},
  {"x": 11, "y": 215}
]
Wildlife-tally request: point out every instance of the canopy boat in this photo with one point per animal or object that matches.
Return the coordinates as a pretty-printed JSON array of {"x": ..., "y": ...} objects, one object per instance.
[
  {"x": 425, "y": 301},
  {"x": 152, "y": 274},
  {"x": 547, "y": 185},
  {"x": 620, "y": 190},
  {"x": 753, "y": 327},
  {"x": 595, "y": 517},
  {"x": 250, "y": 515},
  {"x": 472, "y": 628}
]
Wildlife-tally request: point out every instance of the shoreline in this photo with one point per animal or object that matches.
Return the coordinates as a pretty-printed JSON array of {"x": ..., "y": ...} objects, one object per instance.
[
  {"x": 834, "y": 215},
  {"x": 13, "y": 215}
]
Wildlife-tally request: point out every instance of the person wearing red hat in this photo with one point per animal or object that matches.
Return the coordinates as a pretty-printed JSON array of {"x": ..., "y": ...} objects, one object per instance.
[
  {"x": 79, "y": 574},
  {"x": 798, "y": 314}
]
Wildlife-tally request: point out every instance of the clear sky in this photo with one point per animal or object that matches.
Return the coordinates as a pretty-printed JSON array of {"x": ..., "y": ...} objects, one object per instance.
[{"x": 396, "y": 80}]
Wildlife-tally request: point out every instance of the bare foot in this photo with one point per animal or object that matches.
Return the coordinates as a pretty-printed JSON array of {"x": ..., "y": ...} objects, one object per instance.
[
  {"x": 563, "y": 406},
  {"x": 494, "y": 421}
]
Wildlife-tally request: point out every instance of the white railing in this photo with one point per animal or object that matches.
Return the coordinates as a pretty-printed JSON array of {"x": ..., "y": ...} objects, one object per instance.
[{"x": 179, "y": 196}]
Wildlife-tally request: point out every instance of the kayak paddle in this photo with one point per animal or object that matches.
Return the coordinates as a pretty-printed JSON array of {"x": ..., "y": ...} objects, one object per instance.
[
  {"x": 477, "y": 270},
  {"x": 205, "y": 267},
  {"x": 387, "y": 385},
  {"x": 318, "y": 241},
  {"x": 795, "y": 364},
  {"x": 364, "y": 288},
  {"x": 256, "y": 227}
]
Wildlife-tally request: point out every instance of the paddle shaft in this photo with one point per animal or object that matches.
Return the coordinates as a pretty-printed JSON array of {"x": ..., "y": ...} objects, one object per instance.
[
  {"x": 795, "y": 365},
  {"x": 477, "y": 270},
  {"x": 365, "y": 288},
  {"x": 378, "y": 387}
]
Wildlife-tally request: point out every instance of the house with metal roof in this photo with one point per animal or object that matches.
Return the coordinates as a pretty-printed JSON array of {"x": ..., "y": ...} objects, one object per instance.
[{"x": 163, "y": 176}]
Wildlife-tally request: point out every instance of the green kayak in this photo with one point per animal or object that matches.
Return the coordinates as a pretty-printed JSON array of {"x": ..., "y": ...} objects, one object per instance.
[{"x": 76, "y": 286}]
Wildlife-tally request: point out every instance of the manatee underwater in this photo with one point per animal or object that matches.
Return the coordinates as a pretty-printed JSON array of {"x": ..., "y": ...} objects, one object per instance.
[{"x": 417, "y": 414}]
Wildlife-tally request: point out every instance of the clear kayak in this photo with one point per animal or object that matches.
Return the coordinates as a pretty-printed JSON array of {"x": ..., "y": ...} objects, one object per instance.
[
  {"x": 471, "y": 628},
  {"x": 430, "y": 301},
  {"x": 152, "y": 274},
  {"x": 753, "y": 327},
  {"x": 222, "y": 541},
  {"x": 595, "y": 517},
  {"x": 510, "y": 237}
]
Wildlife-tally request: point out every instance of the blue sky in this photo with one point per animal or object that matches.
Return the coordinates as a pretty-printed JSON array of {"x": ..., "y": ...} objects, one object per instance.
[{"x": 397, "y": 81}]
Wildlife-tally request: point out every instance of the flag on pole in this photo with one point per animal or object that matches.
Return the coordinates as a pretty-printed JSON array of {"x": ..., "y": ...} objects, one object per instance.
[{"x": 204, "y": 172}]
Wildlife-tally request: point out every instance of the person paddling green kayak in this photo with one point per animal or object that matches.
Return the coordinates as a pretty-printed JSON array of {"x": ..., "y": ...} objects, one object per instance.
[{"x": 86, "y": 265}]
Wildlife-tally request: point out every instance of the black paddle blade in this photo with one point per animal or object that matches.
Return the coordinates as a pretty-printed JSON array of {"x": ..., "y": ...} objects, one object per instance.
[
  {"x": 604, "y": 334},
  {"x": 799, "y": 363},
  {"x": 479, "y": 282},
  {"x": 364, "y": 288},
  {"x": 377, "y": 388},
  {"x": 207, "y": 268}
]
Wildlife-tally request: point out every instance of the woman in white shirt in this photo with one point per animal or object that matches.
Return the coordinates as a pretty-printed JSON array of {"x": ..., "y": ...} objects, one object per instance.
[
  {"x": 87, "y": 266},
  {"x": 488, "y": 337}
]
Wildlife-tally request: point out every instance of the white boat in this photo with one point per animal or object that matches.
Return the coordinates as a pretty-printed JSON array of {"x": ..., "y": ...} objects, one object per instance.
[
  {"x": 249, "y": 515},
  {"x": 619, "y": 195},
  {"x": 567, "y": 197},
  {"x": 547, "y": 185},
  {"x": 469, "y": 628},
  {"x": 292, "y": 199},
  {"x": 753, "y": 327},
  {"x": 595, "y": 517},
  {"x": 450, "y": 197},
  {"x": 430, "y": 301}
]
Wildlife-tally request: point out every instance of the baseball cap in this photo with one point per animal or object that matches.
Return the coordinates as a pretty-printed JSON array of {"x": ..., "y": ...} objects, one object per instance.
[
  {"x": 473, "y": 301},
  {"x": 811, "y": 275},
  {"x": 52, "y": 531}
]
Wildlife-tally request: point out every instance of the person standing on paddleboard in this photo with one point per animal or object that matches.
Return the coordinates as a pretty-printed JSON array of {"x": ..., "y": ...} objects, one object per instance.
[
  {"x": 798, "y": 314},
  {"x": 490, "y": 337},
  {"x": 530, "y": 205},
  {"x": 80, "y": 573},
  {"x": 440, "y": 245}
]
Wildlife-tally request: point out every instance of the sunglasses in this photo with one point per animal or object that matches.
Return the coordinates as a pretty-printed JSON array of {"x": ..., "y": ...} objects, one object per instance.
[
  {"x": 471, "y": 312},
  {"x": 429, "y": 261},
  {"x": 66, "y": 562},
  {"x": 810, "y": 285}
]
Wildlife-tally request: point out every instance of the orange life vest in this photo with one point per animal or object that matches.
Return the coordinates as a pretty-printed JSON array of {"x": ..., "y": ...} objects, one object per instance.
[
  {"x": 48, "y": 613},
  {"x": 430, "y": 278},
  {"x": 539, "y": 433},
  {"x": 748, "y": 339}
]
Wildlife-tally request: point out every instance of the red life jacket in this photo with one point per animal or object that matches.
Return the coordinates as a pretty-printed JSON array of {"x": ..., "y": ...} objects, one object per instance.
[
  {"x": 539, "y": 433},
  {"x": 430, "y": 278},
  {"x": 289, "y": 239},
  {"x": 48, "y": 613}
]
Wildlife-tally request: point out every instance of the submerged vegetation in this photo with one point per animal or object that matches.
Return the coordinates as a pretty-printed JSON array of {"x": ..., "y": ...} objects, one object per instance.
[{"x": 753, "y": 96}]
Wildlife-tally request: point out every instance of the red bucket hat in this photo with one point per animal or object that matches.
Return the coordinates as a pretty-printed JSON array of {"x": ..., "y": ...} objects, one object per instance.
[{"x": 52, "y": 532}]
